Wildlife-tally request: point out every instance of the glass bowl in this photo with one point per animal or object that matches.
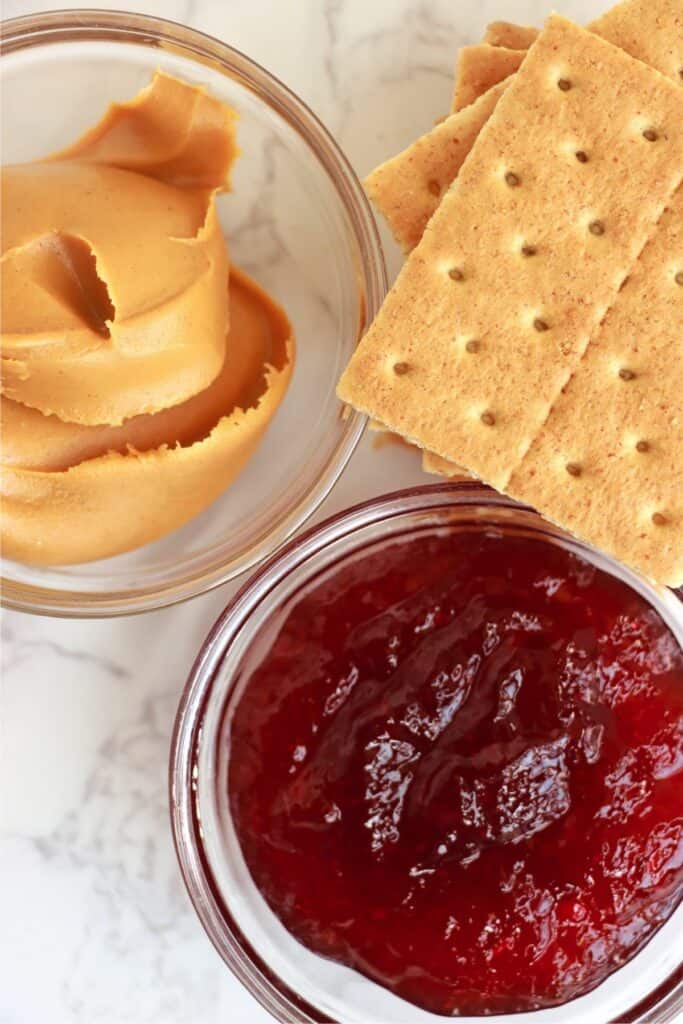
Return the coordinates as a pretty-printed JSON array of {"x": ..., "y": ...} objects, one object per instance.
[
  {"x": 294, "y": 984},
  {"x": 297, "y": 221}
]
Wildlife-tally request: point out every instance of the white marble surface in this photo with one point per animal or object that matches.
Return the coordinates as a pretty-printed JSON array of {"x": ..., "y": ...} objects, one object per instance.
[{"x": 95, "y": 924}]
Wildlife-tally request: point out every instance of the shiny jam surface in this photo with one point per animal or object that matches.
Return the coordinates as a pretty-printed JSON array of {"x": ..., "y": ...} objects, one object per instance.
[{"x": 457, "y": 766}]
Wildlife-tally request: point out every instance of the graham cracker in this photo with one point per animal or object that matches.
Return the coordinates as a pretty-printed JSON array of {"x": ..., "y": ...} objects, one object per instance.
[
  {"x": 651, "y": 30},
  {"x": 608, "y": 463},
  {"x": 530, "y": 316},
  {"x": 434, "y": 464},
  {"x": 514, "y": 37},
  {"x": 408, "y": 188},
  {"x": 479, "y": 68}
]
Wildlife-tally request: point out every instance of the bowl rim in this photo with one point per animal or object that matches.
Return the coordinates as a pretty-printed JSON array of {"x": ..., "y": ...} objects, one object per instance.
[
  {"x": 210, "y": 902},
  {"x": 93, "y": 25}
]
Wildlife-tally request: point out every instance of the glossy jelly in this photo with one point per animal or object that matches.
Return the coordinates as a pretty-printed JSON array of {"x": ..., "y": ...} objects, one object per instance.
[{"x": 456, "y": 765}]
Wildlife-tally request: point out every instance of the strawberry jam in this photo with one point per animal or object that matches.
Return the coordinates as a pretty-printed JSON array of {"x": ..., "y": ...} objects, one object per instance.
[{"x": 456, "y": 766}]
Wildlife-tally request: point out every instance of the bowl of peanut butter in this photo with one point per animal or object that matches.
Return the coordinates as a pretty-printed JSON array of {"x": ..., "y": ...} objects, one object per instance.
[{"x": 187, "y": 262}]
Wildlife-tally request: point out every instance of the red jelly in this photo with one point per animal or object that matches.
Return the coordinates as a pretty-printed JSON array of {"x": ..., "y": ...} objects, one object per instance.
[{"x": 456, "y": 766}]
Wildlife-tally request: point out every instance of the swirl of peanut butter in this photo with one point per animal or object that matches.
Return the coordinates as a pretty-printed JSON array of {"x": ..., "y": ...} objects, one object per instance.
[
  {"x": 114, "y": 264},
  {"x": 136, "y": 382}
]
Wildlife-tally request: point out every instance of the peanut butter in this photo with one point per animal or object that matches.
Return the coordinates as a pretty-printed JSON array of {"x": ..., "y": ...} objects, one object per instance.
[{"x": 136, "y": 381}]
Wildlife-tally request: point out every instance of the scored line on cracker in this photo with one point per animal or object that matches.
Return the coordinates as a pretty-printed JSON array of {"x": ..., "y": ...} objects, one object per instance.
[{"x": 608, "y": 463}]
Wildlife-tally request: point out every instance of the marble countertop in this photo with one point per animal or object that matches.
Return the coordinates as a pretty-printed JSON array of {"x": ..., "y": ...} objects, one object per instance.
[{"x": 96, "y": 926}]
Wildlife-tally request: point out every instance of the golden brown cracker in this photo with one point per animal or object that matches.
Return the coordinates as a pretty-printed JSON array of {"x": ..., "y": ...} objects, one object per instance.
[
  {"x": 434, "y": 464},
  {"x": 514, "y": 37},
  {"x": 480, "y": 67},
  {"x": 494, "y": 308},
  {"x": 608, "y": 463},
  {"x": 651, "y": 30},
  {"x": 408, "y": 188}
]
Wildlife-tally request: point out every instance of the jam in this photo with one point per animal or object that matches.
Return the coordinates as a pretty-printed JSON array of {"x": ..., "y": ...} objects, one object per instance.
[{"x": 456, "y": 765}]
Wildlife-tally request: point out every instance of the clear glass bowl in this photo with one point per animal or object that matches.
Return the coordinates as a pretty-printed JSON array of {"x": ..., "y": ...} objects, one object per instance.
[
  {"x": 294, "y": 984},
  {"x": 297, "y": 221}
]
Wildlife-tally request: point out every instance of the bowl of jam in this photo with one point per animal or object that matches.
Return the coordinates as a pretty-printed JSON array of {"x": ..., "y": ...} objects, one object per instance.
[{"x": 429, "y": 763}]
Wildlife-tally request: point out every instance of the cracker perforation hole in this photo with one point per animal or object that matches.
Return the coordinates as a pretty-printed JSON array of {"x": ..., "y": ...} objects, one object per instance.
[
  {"x": 434, "y": 187},
  {"x": 679, "y": 277},
  {"x": 626, "y": 374},
  {"x": 596, "y": 227},
  {"x": 573, "y": 468},
  {"x": 643, "y": 447},
  {"x": 650, "y": 134},
  {"x": 512, "y": 179},
  {"x": 456, "y": 274},
  {"x": 541, "y": 325},
  {"x": 659, "y": 519},
  {"x": 401, "y": 368},
  {"x": 564, "y": 84},
  {"x": 528, "y": 250},
  {"x": 472, "y": 345},
  {"x": 487, "y": 418}
]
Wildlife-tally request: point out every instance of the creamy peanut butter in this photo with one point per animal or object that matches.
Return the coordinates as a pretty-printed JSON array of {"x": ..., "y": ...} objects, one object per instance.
[{"x": 136, "y": 383}]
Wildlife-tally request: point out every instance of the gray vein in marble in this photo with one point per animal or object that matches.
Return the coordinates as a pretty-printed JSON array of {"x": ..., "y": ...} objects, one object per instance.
[
  {"x": 117, "y": 838},
  {"x": 259, "y": 220},
  {"x": 16, "y": 651},
  {"x": 331, "y": 12}
]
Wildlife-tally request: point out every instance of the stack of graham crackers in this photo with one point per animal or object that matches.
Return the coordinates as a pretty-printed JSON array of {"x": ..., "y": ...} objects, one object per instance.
[{"x": 534, "y": 337}]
